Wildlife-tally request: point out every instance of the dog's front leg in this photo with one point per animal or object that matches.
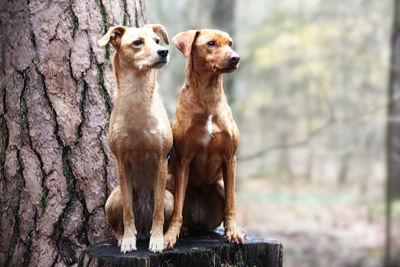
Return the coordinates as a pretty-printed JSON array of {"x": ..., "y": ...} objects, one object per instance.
[
  {"x": 128, "y": 242},
  {"x": 182, "y": 177},
  {"x": 233, "y": 232},
  {"x": 156, "y": 239}
]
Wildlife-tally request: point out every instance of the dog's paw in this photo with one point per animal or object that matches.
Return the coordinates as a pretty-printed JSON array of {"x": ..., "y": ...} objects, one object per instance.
[
  {"x": 170, "y": 239},
  {"x": 235, "y": 234},
  {"x": 156, "y": 243},
  {"x": 128, "y": 244}
]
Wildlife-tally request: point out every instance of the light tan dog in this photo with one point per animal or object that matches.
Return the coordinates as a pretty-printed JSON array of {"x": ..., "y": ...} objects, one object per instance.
[
  {"x": 140, "y": 137},
  {"x": 206, "y": 138}
]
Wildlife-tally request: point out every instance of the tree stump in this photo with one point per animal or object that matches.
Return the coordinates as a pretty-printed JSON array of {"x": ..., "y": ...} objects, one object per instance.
[{"x": 197, "y": 249}]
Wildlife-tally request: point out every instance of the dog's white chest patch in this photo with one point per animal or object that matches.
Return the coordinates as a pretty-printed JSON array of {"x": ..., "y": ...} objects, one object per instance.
[
  {"x": 209, "y": 124},
  {"x": 209, "y": 131}
]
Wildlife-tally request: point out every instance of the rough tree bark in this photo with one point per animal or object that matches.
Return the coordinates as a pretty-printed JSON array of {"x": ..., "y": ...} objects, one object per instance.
[{"x": 56, "y": 168}]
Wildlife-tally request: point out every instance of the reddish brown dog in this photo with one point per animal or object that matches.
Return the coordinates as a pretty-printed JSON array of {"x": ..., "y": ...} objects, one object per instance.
[
  {"x": 206, "y": 138},
  {"x": 140, "y": 137}
]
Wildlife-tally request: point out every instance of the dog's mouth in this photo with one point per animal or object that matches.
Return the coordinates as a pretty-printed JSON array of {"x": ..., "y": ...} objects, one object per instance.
[
  {"x": 230, "y": 68},
  {"x": 161, "y": 62}
]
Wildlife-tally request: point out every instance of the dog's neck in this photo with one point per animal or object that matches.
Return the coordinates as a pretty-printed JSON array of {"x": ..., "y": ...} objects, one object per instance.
[
  {"x": 135, "y": 86},
  {"x": 204, "y": 88}
]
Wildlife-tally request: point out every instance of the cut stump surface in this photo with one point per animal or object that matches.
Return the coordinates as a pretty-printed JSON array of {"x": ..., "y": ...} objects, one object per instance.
[{"x": 197, "y": 249}]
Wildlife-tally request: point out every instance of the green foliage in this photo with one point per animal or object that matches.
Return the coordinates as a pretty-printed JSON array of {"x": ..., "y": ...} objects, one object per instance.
[
  {"x": 66, "y": 175},
  {"x": 43, "y": 202},
  {"x": 86, "y": 226}
]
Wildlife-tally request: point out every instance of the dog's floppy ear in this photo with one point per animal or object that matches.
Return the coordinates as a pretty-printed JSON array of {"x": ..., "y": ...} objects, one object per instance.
[
  {"x": 113, "y": 36},
  {"x": 158, "y": 28},
  {"x": 184, "y": 41}
]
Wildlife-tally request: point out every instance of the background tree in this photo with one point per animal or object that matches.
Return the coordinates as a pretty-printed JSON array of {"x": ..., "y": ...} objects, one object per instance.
[
  {"x": 393, "y": 132},
  {"x": 393, "y": 145},
  {"x": 56, "y": 168}
]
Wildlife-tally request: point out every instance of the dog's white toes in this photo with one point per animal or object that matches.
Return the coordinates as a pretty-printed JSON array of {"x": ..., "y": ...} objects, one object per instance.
[
  {"x": 119, "y": 242},
  {"x": 156, "y": 243},
  {"x": 128, "y": 244}
]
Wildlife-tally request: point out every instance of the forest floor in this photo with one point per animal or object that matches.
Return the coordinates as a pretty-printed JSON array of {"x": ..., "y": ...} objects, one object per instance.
[{"x": 318, "y": 225}]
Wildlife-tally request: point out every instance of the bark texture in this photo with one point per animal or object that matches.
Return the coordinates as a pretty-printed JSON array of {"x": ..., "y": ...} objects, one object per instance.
[{"x": 56, "y": 168}]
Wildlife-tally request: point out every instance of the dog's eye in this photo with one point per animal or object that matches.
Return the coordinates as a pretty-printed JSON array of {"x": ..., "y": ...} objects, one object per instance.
[
  {"x": 230, "y": 43},
  {"x": 157, "y": 41},
  {"x": 137, "y": 42},
  {"x": 211, "y": 43}
]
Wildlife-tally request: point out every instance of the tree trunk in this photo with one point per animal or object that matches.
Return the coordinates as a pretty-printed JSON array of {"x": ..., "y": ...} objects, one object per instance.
[
  {"x": 394, "y": 109},
  {"x": 56, "y": 168},
  {"x": 393, "y": 132}
]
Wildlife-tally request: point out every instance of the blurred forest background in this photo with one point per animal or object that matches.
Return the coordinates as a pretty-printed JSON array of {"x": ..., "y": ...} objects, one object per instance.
[{"x": 310, "y": 99}]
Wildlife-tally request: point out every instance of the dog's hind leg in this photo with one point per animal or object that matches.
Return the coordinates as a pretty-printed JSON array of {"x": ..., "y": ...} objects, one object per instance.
[
  {"x": 114, "y": 213},
  {"x": 204, "y": 208},
  {"x": 168, "y": 207}
]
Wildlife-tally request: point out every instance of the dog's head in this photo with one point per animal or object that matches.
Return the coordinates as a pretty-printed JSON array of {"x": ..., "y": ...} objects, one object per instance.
[
  {"x": 139, "y": 48},
  {"x": 211, "y": 50}
]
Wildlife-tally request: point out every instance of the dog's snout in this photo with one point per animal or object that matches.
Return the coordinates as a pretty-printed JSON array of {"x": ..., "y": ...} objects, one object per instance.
[
  {"x": 234, "y": 58},
  {"x": 163, "y": 52}
]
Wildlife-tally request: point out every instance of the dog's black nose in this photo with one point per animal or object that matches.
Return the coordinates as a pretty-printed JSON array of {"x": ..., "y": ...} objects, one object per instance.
[
  {"x": 163, "y": 52},
  {"x": 234, "y": 58}
]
